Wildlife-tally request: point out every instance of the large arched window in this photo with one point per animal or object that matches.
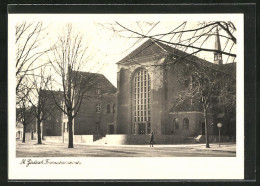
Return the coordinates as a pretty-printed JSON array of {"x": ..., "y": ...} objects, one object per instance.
[
  {"x": 185, "y": 123},
  {"x": 141, "y": 96}
]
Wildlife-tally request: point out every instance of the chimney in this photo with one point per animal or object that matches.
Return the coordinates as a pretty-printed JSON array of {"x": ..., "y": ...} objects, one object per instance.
[{"x": 217, "y": 55}]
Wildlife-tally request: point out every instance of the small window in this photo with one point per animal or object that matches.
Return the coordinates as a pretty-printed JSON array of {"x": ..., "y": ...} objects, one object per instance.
[
  {"x": 114, "y": 108},
  {"x": 185, "y": 123},
  {"x": 98, "y": 91},
  {"x": 98, "y": 108},
  {"x": 108, "y": 108},
  {"x": 175, "y": 124}
]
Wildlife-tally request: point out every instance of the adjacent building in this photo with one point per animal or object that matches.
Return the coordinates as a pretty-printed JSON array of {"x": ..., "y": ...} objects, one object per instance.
[
  {"x": 96, "y": 113},
  {"x": 25, "y": 116}
]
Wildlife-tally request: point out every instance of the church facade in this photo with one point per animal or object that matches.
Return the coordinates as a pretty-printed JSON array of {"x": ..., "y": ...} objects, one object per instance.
[{"x": 147, "y": 94}]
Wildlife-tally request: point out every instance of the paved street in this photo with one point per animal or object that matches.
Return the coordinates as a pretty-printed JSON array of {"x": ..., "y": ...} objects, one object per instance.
[{"x": 53, "y": 149}]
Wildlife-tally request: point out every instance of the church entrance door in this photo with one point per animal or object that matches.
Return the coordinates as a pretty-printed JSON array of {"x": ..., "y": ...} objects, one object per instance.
[
  {"x": 111, "y": 129},
  {"x": 141, "y": 128}
]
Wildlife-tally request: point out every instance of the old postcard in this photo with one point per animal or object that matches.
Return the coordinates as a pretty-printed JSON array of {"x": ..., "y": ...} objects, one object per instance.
[{"x": 125, "y": 96}]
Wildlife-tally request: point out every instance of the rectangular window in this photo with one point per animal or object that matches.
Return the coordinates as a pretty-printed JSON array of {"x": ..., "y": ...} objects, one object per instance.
[
  {"x": 98, "y": 91},
  {"x": 98, "y": 108}
]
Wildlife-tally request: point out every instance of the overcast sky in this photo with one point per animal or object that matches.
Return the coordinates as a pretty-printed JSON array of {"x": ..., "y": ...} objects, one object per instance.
[{"x": 105, "y": 46}]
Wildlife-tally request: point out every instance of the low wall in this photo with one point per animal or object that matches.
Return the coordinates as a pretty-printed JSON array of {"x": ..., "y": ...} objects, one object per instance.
[
  {"x": 53, "y": 138},
  {"x": 83, "y": 139},
  {"x": 215, "y": 139},
  {"x": 28, "y": 136},
  {"x": 123, "y": 139}
]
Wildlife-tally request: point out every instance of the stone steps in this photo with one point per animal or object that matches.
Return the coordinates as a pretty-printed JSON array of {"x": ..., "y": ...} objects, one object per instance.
[
  {"x": 100, "y": 141},
  {"x": 190, "y": 140}
]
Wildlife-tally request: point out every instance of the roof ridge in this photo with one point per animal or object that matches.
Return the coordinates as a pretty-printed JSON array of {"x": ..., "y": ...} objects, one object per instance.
[
  {"x": 163, "y": 46},
  {"x": 87, "y": 72}
]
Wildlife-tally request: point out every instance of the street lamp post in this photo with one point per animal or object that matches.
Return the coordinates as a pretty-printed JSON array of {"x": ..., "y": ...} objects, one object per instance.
[{"x": 219, "y": 126}]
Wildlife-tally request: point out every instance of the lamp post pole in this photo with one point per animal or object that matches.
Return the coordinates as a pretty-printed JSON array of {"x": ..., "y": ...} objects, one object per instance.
[
  {"x": 219, "y": 137},
  {"x": 219, "y": 126}
]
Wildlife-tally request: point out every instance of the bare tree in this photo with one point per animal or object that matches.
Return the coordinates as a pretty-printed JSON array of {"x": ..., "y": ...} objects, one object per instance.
[
  {"x": 69, "y": 57},
  {"x": 24, "y": 113},
  {"x": 29, "y": 48},
  {"x": 208, "y": 89},
  {"x": 39, "y": 98},
  {"x": 185, "y": 37}
]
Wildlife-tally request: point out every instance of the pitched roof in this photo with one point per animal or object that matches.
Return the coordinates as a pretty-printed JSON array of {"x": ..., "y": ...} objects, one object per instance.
[
  {"x": 48, "y": 92},
  {"x": 53, "y": 96},
  {"x": 151, "y": 47},
  {"x": 96, "y": 79}
]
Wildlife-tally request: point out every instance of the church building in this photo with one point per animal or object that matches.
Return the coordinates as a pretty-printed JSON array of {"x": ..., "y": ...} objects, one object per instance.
[{"x": 148, "y": 89}]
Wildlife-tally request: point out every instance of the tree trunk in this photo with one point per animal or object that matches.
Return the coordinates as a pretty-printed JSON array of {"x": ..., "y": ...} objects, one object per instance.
[
  {"x": 206, "y": 129},
  {"x": 70, "y": 132},
  {"x": 39, "y": 131},
  {"x": 24, "y": 129}
]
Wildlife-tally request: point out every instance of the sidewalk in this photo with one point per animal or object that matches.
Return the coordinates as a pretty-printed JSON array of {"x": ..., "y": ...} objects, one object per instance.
[
  {"x": 228, "y": 147},
  {"x": 57, "y": 149},
  {"x": 225, "y": 146}
]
